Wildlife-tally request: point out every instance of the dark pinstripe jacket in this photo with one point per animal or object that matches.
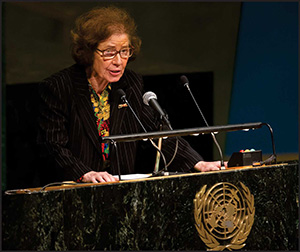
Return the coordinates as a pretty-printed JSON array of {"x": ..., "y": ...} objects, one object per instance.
[{"x": 68, "y": 132}]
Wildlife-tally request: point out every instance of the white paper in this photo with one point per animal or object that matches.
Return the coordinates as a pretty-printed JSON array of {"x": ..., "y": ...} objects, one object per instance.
[{"x": 133, "y": 176}]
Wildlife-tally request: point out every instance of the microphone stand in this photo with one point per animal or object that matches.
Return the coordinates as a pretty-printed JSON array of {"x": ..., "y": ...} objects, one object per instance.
[
  {"x": 156, "y": 166},
  {"x": 117, "y": 157},
  {"x": 164, "y": 171}
]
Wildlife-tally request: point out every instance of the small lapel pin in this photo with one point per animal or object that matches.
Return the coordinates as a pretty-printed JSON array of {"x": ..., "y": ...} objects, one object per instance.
[{"x": 122, "y": 106}]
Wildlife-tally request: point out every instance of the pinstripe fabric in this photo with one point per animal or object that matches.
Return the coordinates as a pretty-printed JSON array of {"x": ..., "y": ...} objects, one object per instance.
[{"x": 68, "y": 131}]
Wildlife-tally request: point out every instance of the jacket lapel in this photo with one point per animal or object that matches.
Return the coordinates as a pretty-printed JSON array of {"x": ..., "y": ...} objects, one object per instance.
[{"x": 84, "y": 106}]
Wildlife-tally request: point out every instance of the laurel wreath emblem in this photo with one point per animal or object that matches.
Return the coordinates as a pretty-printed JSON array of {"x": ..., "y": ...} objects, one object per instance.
[{"x": 238, "y": 240}]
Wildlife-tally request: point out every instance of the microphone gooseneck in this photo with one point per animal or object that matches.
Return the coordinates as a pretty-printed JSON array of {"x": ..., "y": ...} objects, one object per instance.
[{"x": 185, "y": 83}]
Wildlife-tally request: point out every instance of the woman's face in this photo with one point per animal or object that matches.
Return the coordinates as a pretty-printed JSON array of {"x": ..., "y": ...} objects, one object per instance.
[{"x": 111, "y": 70}]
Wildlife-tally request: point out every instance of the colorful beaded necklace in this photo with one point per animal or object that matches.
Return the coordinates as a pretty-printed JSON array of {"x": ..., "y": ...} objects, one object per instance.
[{"x": 102, "y": 112}]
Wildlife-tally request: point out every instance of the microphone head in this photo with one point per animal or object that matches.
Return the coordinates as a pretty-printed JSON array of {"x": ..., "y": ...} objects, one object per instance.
[
  {"x": 120, "y": 94},
  {"x": 148, "y": 96},
  {"x": 184, "y": 80}
]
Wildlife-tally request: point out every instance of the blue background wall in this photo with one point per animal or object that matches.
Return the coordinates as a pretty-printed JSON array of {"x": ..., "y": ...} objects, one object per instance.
[{"x": 265, "y": 83}]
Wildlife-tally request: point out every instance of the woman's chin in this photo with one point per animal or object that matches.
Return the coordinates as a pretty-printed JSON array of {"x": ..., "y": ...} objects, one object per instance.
[{"x": 114, "y": 78}]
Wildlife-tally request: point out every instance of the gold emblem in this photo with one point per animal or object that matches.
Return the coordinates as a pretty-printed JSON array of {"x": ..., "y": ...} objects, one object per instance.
[
  {"x": 122, "y": 106},
  {"x": 224, "y": 215}
]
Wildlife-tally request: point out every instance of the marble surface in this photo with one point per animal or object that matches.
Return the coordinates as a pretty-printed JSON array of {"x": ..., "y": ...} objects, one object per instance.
[{"x": 150, "y": 214}]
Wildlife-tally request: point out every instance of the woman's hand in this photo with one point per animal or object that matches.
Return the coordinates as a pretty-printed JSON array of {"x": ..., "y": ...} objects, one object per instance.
[
  {"x": 204, "y": 166},
  {"x": 98, "y": 177}
]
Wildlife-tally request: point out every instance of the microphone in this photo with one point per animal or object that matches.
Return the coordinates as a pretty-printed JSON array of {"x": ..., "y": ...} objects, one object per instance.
[
  {"x": 150, "y": 99},
  {"x": 185, "y": 82},
  {"x": 120, "y": 92}
]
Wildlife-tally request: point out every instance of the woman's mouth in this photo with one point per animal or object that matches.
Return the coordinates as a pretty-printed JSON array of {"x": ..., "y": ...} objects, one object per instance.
[{"x": 114, "y": 72}]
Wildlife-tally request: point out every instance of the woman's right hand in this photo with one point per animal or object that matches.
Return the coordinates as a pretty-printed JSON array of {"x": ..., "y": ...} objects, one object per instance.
[{"x": 98, "y": 177}]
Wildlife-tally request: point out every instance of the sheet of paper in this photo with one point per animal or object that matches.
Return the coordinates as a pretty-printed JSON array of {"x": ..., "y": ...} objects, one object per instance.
[{"x": 133, "y": 176}]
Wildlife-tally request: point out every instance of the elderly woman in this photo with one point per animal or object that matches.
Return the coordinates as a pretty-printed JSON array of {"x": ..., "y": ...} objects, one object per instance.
[{"x": 79, "y": 105}]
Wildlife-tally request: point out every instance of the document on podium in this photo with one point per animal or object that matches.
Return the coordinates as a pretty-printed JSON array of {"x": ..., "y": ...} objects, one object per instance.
[{"x": 133, "y": 176}]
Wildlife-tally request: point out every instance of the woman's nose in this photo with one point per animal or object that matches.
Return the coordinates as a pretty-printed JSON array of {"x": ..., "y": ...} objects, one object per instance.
[{"x": 117, "y": 59}]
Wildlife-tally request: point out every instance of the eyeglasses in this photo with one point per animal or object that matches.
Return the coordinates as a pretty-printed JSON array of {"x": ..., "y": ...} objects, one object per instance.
[{"x": 110, "y": 53}]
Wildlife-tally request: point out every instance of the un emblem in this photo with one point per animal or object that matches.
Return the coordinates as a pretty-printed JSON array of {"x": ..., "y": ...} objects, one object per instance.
[{"x": 224, "y": 215}]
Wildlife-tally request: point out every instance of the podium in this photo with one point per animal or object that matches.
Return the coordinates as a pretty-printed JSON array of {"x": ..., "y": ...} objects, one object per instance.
[{"x": 244, "y": 208}]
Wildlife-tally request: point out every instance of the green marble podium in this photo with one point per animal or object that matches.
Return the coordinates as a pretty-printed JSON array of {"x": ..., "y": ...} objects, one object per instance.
[{"x": 151, "y": 214}]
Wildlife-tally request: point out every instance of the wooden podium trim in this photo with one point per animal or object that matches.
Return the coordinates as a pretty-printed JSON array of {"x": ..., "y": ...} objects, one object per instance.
[{"x": 72, "y": 184}]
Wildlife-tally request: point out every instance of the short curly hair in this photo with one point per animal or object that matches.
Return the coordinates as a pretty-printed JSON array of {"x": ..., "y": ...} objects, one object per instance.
[{"x": 97, "y": 25}]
